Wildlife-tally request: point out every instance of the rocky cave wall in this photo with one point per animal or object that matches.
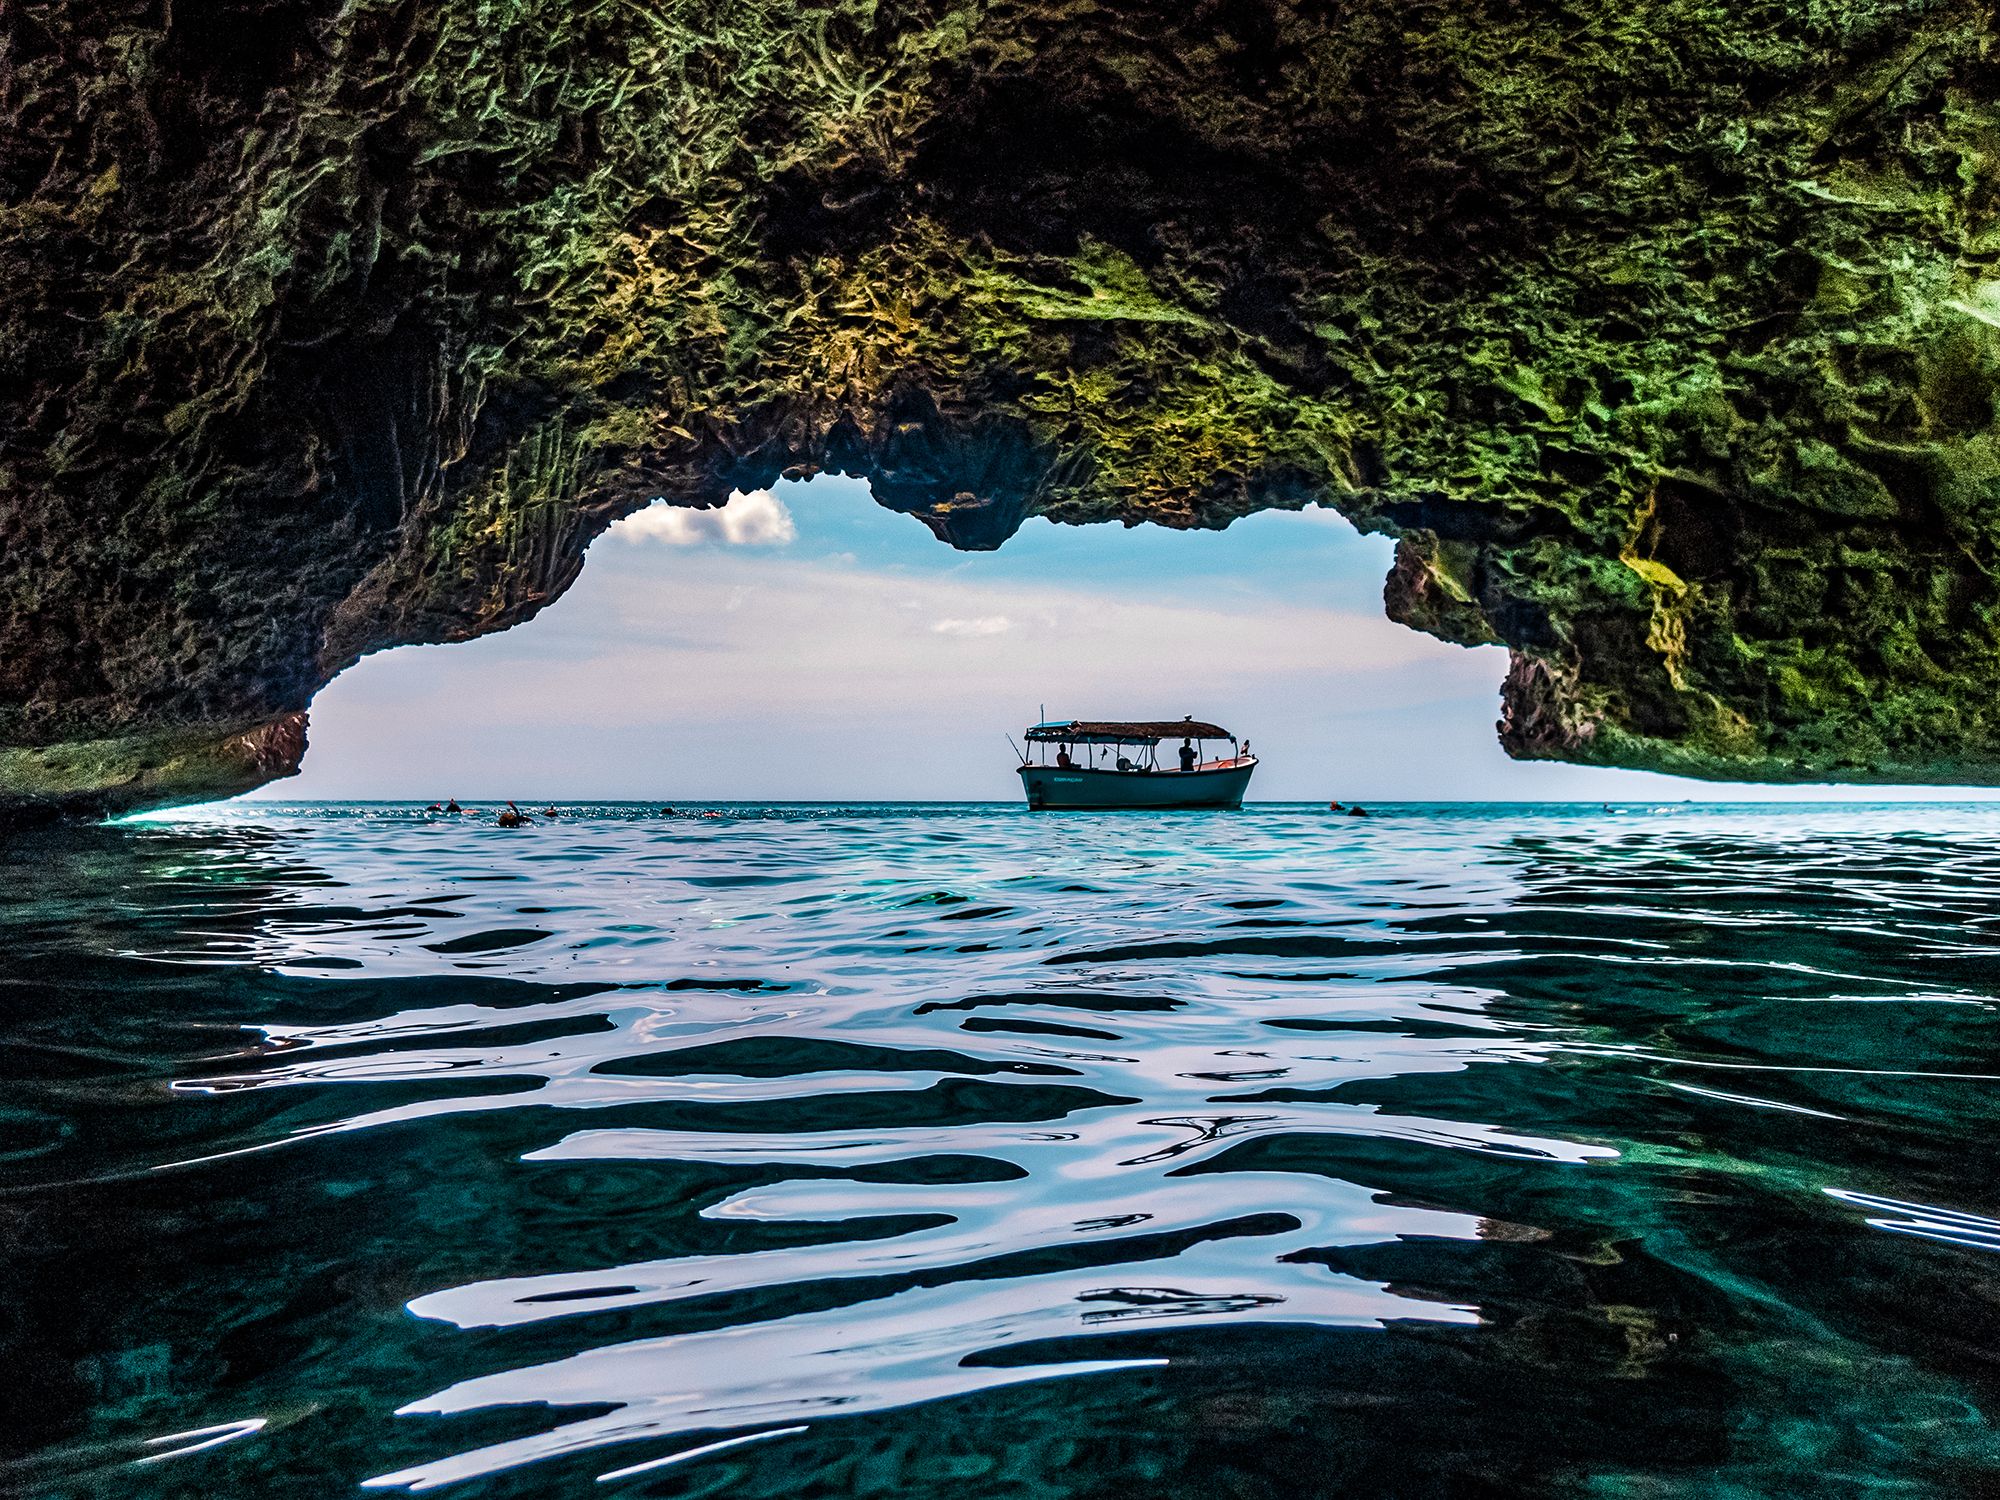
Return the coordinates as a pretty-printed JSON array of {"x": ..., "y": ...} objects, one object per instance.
[{"x": 1663, "y": 334}]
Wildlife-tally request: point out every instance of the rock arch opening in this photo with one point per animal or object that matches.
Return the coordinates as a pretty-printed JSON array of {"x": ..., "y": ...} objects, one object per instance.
[{"x": 804, "y": 643}]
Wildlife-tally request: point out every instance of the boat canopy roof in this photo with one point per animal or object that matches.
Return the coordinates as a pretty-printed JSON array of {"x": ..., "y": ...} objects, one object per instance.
[{"x": 1117, "y": 732}]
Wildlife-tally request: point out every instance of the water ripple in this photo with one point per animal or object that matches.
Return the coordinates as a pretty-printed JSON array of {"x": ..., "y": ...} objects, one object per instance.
[{"x": 721, "y": 1144}]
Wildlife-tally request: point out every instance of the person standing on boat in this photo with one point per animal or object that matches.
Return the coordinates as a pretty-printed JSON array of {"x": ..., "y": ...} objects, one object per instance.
[
  {"x": 1188, "y": 757},
  {"x": 1062, "y": 758}
]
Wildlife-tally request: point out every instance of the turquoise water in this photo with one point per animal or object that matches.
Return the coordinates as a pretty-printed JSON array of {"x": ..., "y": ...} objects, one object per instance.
[{"x": 1458, "y": 1151}]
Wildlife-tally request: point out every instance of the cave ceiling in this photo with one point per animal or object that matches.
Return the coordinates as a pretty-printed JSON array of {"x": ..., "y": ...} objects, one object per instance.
[{"x": 1663, "y": 335}]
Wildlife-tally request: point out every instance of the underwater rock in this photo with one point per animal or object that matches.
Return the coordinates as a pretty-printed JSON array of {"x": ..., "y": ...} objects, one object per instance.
[{"x": 1663, "y": 334}]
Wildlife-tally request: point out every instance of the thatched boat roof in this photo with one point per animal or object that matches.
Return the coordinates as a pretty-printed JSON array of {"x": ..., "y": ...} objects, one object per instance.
[{"x": 1125, "y": 732}]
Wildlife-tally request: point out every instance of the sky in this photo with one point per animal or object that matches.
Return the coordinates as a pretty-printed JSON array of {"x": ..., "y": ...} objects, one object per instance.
[{"x": 802, "y": 643}]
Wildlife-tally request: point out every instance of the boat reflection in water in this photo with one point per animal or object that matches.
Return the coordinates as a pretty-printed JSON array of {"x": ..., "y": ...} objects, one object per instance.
[{"x": 1086, "y": 763}]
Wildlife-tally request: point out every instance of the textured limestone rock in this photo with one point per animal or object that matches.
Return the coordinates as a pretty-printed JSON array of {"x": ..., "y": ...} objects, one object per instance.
[{"x": 1665, "y": 334}]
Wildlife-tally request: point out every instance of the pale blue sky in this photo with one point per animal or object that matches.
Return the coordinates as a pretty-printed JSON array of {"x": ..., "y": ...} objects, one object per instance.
[{"x": 807, "y": 644}]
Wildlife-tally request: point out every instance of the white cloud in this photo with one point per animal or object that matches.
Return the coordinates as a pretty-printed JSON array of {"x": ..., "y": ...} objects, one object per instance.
[
  {"x": 756, "y": 519},
  {"x": 982, "y": 625},
  {"x": 750, "y": 641}
]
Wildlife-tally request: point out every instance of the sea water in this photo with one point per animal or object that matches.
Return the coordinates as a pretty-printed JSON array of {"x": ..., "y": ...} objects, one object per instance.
[{"x": 961, "y": 1151}]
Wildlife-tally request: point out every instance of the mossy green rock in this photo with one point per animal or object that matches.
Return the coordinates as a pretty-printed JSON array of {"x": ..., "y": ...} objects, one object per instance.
[{"x": 1664, "y": 333}]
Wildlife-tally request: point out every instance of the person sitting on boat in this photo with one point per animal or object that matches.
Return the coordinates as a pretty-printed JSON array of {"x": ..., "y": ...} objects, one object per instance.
[
  {"x": 1062, "y": 758},
  {"x": 1188, "y": 757}
]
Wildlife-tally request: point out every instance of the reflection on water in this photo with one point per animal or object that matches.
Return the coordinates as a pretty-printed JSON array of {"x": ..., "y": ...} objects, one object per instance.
[{"x": 1490, "y": 1151}]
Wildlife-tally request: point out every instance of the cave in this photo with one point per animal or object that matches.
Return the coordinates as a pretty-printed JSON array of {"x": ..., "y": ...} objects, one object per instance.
[
  {"x": 782, "y": 1137},
  {"x": 1663, "y": 338}
]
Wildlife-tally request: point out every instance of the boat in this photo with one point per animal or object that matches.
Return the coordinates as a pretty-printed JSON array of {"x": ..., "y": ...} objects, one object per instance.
[{"x": 1098, "y": 764}]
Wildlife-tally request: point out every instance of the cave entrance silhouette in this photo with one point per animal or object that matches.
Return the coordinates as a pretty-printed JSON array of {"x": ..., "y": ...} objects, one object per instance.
[{"x": 802, "y": 643}]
